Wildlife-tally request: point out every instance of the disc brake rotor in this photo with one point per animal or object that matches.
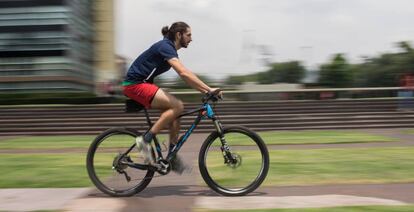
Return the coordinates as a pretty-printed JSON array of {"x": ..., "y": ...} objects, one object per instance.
[{"x": 236, "y": 162}]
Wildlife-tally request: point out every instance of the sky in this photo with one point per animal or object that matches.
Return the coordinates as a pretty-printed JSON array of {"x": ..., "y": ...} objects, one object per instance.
[{"x": 234, "y": 37}]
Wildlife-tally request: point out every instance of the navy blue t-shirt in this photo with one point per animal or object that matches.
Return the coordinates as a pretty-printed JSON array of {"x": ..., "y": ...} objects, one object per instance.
[{"x": 152, "y": 62}]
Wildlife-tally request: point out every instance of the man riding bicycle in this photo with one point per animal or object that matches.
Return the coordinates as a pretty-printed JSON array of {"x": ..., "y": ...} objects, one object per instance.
[{"x": 138, "y": 85}]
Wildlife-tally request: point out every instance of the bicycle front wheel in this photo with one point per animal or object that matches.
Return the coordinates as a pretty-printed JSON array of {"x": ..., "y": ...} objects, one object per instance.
[
  {"x": 106, "y": 163},
  {"x": 246, "y": 171}
]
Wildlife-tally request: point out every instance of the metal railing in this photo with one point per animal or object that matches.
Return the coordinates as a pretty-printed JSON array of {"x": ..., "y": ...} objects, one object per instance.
[{"x": 301, "y": 94}]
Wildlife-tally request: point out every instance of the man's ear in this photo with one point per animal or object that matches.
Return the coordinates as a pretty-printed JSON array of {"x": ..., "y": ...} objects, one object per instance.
[{"x": 178, "y": 35}]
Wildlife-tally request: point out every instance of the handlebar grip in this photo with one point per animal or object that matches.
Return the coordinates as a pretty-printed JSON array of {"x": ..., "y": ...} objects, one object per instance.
[{"x": 212, "y": 96}]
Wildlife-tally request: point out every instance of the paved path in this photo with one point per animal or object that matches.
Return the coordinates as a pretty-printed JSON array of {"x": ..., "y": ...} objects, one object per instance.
[
  {"x": 38, "y": 199},
  {"x": 184, "y": 193}
]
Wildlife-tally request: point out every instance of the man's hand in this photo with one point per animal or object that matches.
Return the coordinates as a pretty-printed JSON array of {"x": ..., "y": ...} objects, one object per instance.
[{"x": 218, "y": 92}]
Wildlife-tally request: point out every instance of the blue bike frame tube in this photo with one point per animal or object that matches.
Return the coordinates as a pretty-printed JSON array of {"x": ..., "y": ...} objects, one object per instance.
[
  {"x": 184, "y": 138},
  {"x": 158, "y": 147},
  {"x": 211, "y": 115},
  {"x": 156, "y": 143}
]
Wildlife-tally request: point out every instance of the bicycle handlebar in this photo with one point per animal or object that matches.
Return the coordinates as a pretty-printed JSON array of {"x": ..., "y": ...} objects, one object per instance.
[{"x": 212, "y": 96}]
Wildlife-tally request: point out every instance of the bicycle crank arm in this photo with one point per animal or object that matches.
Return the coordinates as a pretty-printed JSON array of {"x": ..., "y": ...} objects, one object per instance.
[{"x": 139, "y": 166}]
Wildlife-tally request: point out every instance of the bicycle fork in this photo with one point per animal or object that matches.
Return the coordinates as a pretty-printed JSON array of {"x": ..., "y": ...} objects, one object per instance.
[{"x": 225, "y": 149}]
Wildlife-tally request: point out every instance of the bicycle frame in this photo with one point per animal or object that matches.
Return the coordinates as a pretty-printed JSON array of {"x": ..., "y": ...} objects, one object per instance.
[{"x": 205, "y": 111}]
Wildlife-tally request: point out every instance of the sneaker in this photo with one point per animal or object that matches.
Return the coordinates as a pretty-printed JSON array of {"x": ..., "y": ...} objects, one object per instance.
[
  {"x": 145, "y": 149},
  {"x": 178, "y": 166}
]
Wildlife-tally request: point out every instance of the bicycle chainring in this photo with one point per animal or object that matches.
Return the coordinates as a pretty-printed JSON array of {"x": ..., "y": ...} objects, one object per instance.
[{"x": 164, "y": 167}]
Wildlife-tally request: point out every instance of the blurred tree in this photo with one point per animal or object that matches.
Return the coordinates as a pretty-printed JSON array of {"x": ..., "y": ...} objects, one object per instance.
[
  {"x": 382, "y": 71},
  {"x": 181, "y": 84},
  {"x": 238, "y": 80},
  {"x": 386, "y": 69},
  {"x": 379, "y": 71},
  {"x": 407, "y": 57},
  {"x": 288, "y": 72},
  {"x": 337, "y": 73},
  {"x": 405, "y": 46}
]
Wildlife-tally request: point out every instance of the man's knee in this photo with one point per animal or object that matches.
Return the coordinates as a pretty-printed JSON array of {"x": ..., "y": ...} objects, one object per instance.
[{"x": 178, "y": 107}]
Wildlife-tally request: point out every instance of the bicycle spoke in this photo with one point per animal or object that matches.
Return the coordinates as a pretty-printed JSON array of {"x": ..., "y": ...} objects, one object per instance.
[
  {"x": 234, "y": 175},
  {"x": 110, "y": 171},
  {"x": 238, "y": 171}
]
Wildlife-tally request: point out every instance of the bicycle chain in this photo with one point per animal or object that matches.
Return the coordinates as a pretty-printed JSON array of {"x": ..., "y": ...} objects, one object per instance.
[{"x": 156, "y": 175}]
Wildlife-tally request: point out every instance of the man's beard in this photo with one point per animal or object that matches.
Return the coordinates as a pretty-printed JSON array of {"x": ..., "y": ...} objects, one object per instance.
[{"x": 183, "y": 43}]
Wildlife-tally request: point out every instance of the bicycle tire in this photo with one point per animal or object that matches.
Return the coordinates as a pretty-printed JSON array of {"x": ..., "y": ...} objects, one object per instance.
[
  {"x": 94, "y": 165},
  {"x": 207, "y": 174}
]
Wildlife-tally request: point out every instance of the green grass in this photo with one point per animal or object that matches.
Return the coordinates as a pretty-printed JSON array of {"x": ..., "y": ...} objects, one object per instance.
[
  {"x": 408, "y": 131},
  {"x": 309, "y": 137},
  {"x": 43, "y": 171},
  {"x": 47, "y": 142},
  {"x": 287, "y": 167},
  {"x": 407, "y": 208},
  {"x": 282, "y": 137},
  {"x": 57, "y": 142},
  {"x": 332, "y": 166},
  {"x": 326, "y": 166},
  {"x": 321, "y": 137}
]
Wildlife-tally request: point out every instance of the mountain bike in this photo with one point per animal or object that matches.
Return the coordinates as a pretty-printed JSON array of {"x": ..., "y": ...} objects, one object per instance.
[{"x": 233, "y": 161}]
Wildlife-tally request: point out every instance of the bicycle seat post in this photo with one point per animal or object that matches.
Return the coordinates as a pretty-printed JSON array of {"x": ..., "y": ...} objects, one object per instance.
[
  {"x": 148, "y": 118},
  {"x": 132, "y": 106}
]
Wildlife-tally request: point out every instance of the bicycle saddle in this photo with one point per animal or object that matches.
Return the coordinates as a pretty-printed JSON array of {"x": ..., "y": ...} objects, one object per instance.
[{"x": 132, "y": 106}]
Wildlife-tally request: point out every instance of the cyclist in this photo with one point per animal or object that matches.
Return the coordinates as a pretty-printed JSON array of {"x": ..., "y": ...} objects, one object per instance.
[{"x": 138, "y": 85}]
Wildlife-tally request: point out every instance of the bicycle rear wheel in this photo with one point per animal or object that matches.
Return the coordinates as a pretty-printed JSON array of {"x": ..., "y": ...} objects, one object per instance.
[
  {"x": 244, "y": 174},
  {"x": 105, "y": 163}
]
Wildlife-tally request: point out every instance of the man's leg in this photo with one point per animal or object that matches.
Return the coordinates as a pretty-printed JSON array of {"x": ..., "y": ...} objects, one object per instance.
[
  {"x": 171, "y": 107},
  {"x": 169, "y": 118},
  {"x": 178, "y": 164},
  {"x": 174, "y": 131}
]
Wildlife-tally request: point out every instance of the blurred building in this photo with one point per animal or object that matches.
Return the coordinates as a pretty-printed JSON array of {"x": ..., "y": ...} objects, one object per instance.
[
  {"x": 55, "y": 45},
  {"x": 105, "y": 66},
  {"x": 122, "y": 65}
]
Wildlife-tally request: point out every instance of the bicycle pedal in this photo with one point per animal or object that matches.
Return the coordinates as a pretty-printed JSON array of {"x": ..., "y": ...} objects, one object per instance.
[{"x": 157, "y": 165}]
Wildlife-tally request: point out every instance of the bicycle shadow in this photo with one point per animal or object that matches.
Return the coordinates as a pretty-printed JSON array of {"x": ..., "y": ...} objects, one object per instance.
[{"x": 176, "y": 190}]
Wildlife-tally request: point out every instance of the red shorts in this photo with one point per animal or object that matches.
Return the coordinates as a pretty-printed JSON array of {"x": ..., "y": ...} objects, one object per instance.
[{"x": 142, "y": 93}]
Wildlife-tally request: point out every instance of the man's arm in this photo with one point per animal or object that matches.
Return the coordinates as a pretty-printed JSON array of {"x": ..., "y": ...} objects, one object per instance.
[{"x": 189, "y": 77}]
